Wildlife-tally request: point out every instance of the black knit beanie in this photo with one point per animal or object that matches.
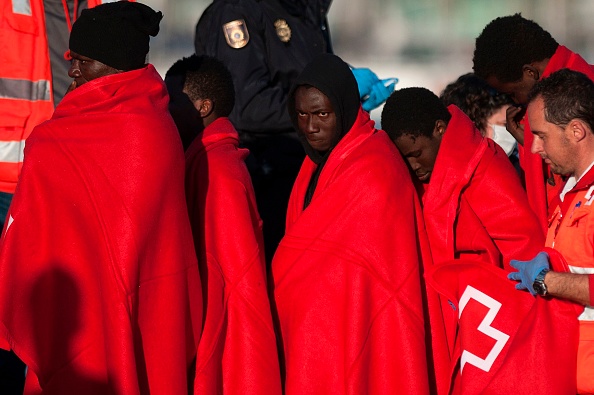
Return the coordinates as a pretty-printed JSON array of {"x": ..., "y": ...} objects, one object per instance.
[{"x": 116, "y": 34}]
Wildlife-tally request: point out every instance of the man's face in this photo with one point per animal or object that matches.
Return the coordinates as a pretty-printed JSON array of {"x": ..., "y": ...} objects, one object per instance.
[
  {"x": 182, "y": 110},
  {"x": 551, "y": 141},
  {"x": 84, "y": 69},
  {"x": 316, "y": 118},
  {"x": 517, "y": 90},
  {"x": 420, "y": 152}
]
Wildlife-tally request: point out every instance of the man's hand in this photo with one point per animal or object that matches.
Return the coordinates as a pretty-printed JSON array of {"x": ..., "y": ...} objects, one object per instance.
[
  {"x": 513, "y": 115},
  {"x": 380, "y": 92},
  {"x": 528, "y": 270},
  {"x": 366, "y": 79}
]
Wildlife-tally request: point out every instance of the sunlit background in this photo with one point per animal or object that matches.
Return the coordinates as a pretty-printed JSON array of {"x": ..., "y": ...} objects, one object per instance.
[{"x": 425, "y": 43}]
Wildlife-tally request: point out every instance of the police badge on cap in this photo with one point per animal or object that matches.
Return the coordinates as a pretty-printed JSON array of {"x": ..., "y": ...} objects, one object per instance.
[
  {"x": 236, "y": 33},
  {"x": 283, "y": 31}
]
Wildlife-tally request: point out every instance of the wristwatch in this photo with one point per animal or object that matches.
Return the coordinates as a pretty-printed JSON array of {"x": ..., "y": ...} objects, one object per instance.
[{"x": 539, "y": 286}]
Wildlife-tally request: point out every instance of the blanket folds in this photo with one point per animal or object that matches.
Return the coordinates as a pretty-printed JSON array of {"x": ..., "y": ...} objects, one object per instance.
[
  {"x": 237, "y": 352},
  {"x": 99, "y": 286},
  {"x": 346, "y": 274}
]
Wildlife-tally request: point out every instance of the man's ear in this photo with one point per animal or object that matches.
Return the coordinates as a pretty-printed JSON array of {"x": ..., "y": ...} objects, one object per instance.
[
  {"x": 578, "y": 129},
  {"x": 439, "y": 129},
  {"x": 531, "y": 71},
  {"x": 204, "y": 106}
]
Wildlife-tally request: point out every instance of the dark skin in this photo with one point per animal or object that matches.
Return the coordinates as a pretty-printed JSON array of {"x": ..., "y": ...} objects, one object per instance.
[
  {"x": 182, "y": 109},
  {"x": 84, "y": 69},
  {"x": 421, "y": 151},
  {"x": 205, "y": 108},
  {"x": 316, "y": 118},
  {"x": 518, "y": 91}
]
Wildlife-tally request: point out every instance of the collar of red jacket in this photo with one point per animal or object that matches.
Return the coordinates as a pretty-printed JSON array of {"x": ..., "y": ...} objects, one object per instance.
[{"x": 584, "y": 183}]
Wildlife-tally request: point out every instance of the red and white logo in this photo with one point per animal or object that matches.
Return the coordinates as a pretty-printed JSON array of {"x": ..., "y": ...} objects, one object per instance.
[{"x": 485, "y": 364}]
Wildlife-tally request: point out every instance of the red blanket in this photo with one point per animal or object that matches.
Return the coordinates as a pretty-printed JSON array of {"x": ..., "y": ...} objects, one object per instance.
[
  {"x": 475, "y": 209},
  {"x": 346, "y": 274},
  {"x": 237, "y": 352},
  {"x": 539, "y": 192},
  {"x": 508, "y": 341},
  {"x": 99, "y": 287}
]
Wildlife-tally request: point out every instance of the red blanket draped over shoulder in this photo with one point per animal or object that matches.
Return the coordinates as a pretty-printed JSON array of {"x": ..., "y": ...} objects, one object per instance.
[
  {"x": 346, "y": 274},
  {"x": 536, "y": 171},
  {"x": 237, "y": 352},
  {"x": 474, "y": 209},
  {"x": 474, "y": 206},
  {"x": 99, "y": 286}
]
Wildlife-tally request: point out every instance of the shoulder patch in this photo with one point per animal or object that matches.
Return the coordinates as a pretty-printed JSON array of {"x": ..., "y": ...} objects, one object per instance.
[{"x": 236, "y": 33}]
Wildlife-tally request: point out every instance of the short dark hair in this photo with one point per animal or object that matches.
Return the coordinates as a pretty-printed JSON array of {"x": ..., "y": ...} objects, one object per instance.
[
  {"x": 567, "y": 95},
  {"x": 508, "y": 43},
  {"x": 475, "y": 98},
  {"x": 413, "y": 111},
  {"x": 206, "y": 77}
]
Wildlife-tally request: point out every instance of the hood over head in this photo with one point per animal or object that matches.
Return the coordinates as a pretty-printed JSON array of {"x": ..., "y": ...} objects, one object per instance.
[{"x": 333, "y": 77}]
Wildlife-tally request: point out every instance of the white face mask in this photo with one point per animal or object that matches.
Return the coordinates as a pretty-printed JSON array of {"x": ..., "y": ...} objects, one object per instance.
[{"x": 504, "y": 138}]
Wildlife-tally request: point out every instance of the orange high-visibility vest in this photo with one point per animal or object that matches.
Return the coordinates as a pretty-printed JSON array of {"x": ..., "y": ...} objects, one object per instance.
[
  {"x": 26, "y": 97},
  {"x": 571, "y": 232}
]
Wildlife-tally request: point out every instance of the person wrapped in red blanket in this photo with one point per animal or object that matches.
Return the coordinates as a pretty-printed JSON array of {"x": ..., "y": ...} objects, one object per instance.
[
  {"x": 474, "y": 206},
  {"x": 346, "y": 274},
  {"x": 99, "y": 286},
  {"x": 237, "y": 351},
  {"x": 512, "y": 54}
]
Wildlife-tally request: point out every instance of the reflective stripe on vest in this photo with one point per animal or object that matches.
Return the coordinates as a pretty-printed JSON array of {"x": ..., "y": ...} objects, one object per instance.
[
  {"x": 23, "y": 89},
  {"x": 588, "y": 313},
  {"x": 12, "y": 151},
  {"x": 21, "y": 7}
]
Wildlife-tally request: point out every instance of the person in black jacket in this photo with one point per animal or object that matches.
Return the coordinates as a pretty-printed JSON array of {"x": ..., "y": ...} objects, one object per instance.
[{"x": 265, "y": 44}]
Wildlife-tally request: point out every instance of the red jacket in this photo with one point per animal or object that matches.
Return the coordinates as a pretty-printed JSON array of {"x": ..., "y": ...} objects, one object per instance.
[
  {"x": 571, "y": 234},
  {"x": 475, "y": 208},
  {"x": 99, "y": 286},
  {"x": 237, "y": 352},
  {"x": 346, "y": 274},
  {"x": 540, "y": 193},
  {"x": 26, "y": 91}
]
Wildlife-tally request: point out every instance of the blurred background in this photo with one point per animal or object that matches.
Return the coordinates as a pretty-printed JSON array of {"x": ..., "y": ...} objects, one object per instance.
[{"x": 425, "y": 43}]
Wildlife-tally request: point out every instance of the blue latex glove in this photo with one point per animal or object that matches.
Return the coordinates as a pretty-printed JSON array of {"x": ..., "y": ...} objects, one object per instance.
[
  {"x": 380, "y": 91},
  {"x": 528, "y": 270},
  {"x": 365, "y": 80}
]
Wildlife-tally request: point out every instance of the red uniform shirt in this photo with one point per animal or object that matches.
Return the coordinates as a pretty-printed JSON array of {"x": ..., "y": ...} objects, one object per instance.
[{"x": 571, "y": 233}]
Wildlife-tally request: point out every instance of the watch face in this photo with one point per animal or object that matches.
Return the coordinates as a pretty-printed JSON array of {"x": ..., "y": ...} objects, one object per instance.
[{"x": 540, "y": 288}]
